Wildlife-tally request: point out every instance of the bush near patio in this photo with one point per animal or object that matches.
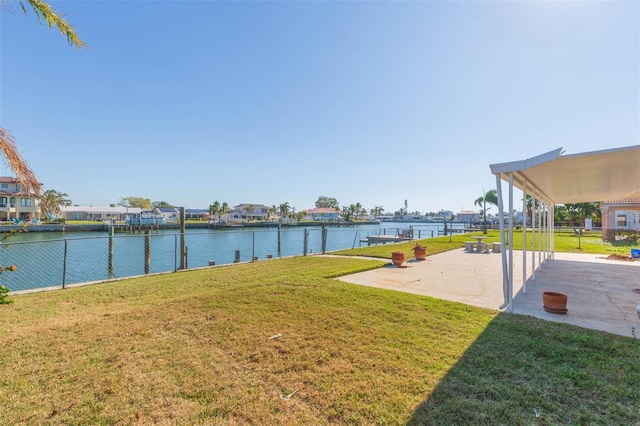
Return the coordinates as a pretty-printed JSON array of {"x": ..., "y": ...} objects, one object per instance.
[{"x": 621, "y": 236}]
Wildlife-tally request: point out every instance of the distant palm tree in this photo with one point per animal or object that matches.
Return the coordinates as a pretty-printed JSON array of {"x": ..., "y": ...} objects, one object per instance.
[
  {"x": 284, "y": 209},
  {"x": 490, "y": 197},
  {"x": 214, "y": 209},
  {"x": 531, "y": 206},
  {"x": 579, "y": 211},
  {"x": 224, "y": 210},
  {"x": 376, "y": 211}
]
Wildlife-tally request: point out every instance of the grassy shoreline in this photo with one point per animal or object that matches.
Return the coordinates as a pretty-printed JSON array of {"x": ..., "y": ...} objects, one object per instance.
[
  {"x": 563, "y": 242},
  {"x": 200, "y": 347}
]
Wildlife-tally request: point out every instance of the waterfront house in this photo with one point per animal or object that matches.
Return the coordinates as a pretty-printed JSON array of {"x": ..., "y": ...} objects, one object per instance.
[
  {"x": 198, "y": 214},
  {"x": 468, "y": 216},
  {"x": 99, "y": 214},
  {"x": 322, "y": 214},
  {"x": 446, "y": 214},
  {"x": 249, "y": 212},
  {"x": 621, "y": 215},
  {"x": 16, "y": 203}
]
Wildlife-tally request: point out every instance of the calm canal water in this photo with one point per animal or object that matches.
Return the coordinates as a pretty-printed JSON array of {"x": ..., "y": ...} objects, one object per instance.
[{"x": 52, "y": 259}]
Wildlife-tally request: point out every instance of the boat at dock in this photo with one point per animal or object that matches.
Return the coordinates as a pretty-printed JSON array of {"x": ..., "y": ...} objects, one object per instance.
[{"x": 144, "y": 219}]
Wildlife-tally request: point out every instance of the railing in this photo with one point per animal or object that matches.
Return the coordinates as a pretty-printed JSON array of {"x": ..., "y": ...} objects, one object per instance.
[{"x": 63, "y": 262}]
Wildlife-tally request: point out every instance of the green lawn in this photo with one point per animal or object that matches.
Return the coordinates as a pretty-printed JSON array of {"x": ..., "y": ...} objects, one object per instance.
[
  {"x": 282, "y": 342},
  {"x": 564, "y": 241}
]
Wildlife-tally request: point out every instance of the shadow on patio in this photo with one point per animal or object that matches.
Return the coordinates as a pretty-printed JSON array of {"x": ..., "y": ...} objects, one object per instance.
[{"x": 600, "y": 293}]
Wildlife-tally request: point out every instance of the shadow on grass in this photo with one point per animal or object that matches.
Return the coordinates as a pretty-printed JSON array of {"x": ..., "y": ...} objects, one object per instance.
[{"x": 522, "y": 370}]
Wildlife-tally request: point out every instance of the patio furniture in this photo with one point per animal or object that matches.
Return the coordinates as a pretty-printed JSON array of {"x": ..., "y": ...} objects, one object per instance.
[{"x": 478, "y": 247}]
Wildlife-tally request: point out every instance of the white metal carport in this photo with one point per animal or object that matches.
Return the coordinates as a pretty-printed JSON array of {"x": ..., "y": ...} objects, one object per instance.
[{"x": 553, "y": 178}]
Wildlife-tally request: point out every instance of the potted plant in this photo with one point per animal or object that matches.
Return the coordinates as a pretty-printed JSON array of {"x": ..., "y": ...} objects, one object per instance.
[
  {"x": 555, "y": 303},
  {"x": 419, "y": 252},
  {"x": 398, "y": 258}
]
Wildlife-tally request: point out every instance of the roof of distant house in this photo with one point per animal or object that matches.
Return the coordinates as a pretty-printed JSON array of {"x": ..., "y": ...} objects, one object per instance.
[
  {"x": 246, "y": 205},
  {"x": 321, "y": 210},
  {"x": 624, "y": 201},
  {"x": 111, "y": 210}
]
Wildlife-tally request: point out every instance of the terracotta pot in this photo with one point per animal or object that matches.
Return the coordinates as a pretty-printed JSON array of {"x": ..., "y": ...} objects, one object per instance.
[
  {"x": 397, "y": 257},
  {"x": 420, "y": 253},
  {"x": 554, "y": 301}
]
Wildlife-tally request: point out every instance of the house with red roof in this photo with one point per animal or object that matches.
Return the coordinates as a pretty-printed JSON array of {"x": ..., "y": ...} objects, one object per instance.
[{"x": 15, "y": 202}]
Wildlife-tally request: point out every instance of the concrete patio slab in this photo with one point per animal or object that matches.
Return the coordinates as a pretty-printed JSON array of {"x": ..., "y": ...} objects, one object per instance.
[{"x": 600, "y": 291}]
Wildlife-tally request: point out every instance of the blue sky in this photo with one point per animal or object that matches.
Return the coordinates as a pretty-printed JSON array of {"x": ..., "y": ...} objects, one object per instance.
[{"x": 273, "y": 102}]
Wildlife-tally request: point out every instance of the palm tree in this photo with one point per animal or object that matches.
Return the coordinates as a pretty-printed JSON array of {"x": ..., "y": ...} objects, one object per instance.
[
  {"x": 284, "y": 209},
  {"x": 8, "y": 148},
  {"x": 579, "y": 211},
  {"x": 24, "y": 174},
  {"x": 52, "y": 202},
  {"x": 531, "y": 206},
  {"x": 490, "y": 197},
  {"x": 225, "y": 209},
  {"x": 377, "y": 211},
  {"x": 214, "y": 209}
]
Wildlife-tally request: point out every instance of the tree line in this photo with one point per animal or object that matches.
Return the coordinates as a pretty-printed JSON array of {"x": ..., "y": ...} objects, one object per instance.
[{"x": 572, "y": 214}]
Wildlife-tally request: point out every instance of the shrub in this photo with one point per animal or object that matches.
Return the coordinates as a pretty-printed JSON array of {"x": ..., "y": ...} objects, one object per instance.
[{"x": 4, "y": 292}]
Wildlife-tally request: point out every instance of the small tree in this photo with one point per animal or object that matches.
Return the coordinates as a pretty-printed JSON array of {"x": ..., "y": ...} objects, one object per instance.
[
  {"x": 490, "y": 197},
  {"x": 327, "y": 202},
  {"x": 139, "y": 202}
]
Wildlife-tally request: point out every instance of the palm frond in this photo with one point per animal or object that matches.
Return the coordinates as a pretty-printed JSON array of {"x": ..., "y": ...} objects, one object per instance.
[
  {"x": 53, "y": 19},
  {"x": 14, "y": 160}
]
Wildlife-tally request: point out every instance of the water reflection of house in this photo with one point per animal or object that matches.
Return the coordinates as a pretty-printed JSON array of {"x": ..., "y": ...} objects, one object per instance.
[
  {"x": 249, "y": 212},
  {"x": 621, "y": 215},
  {"x": 15, "y": 203},
  {"x": 323, "y": 214}
]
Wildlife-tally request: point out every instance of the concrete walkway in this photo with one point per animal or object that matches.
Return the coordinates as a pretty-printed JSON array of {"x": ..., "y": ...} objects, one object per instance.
[{"x": 600, "y": 291}]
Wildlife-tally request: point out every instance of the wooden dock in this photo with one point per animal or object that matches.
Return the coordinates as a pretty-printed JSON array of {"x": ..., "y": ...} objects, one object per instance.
[{"x": 383, "y": 239}]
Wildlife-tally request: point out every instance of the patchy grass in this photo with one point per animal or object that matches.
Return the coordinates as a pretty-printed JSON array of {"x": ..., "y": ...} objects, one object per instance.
[{"x": 196, "y": 348}]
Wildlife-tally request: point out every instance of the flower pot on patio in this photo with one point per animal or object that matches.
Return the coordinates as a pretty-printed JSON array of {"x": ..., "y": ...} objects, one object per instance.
[
  {"x": 397, "y": 257},
  {"x": 419, "y": 252},
  {"x": 555, "y": 303}
]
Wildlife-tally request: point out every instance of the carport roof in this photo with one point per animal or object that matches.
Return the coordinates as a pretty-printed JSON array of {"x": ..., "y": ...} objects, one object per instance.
[{"x": 578, "y": 178}]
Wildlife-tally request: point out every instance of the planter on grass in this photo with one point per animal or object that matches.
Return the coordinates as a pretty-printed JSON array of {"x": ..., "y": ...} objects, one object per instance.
[
  {"x": 555, "y": 303},
  {"x": 398, "y": 258}
]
